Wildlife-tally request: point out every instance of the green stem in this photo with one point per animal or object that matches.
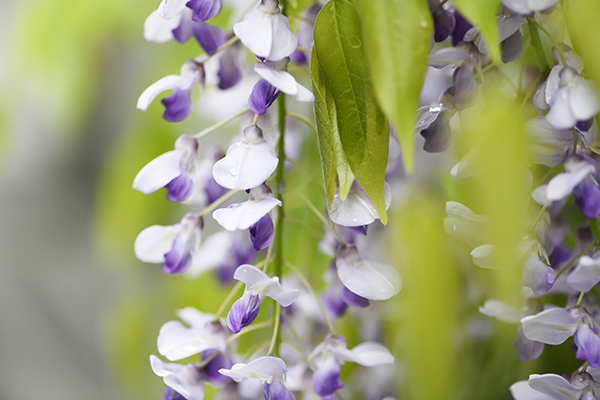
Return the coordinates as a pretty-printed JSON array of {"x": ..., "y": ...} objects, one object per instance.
[
  {"x": 580, "y": 299},
  {"x": 439, "y": 6},
  {"x": 302, "y": 119},
  {"x": 248, "y": 329},
  {"x": 573, "y": 261},
  {"x": 563, "y": 60},
  {"x": 596, "y": 231},
  {"x": 276, "y": 338},
  {"x": 217, "y": 202},
  {"x": 228, "y": 299},
  {"x": 216, "y": 126},
  {"x": 225, "y": 45},
  {"x": 537, "y": 44},
  {"x": 538, "y": 218},
  {"x": 530, "y": 92}
]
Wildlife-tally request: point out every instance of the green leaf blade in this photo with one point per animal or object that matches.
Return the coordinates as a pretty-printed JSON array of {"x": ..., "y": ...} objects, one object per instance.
[
  {"x": 362, "y": 126},
  {"x": 397, "y": 37},
  {"x": 482, "y": 13}
]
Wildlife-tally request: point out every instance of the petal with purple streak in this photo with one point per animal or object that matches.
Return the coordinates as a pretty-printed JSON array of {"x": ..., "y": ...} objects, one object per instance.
[
  {"x": 243, "y": 312},
  {"x": 170, "y": 82},
  {"x": 179, "y": 259},
  {"x": 178, "y": 106},
  {"x": 159, "y": 172},
  {"x": 179, "y": 188},
  {"x": 262, "y": 96},
  {"x": 465, "y": 91},
  {"x": 262, "y": 232},
  {"x": 276, "y": 391},
  {"x": 210, "y": 37},
  {"x": 352, "y": 299},
  {"x": 326, "y": 379},
  {"x": 184, "y": 30},
  {"x": 438, "y": 135},
  {"x": 229, "y": 69},
  {"x": 587, "y": 198},
  {"x": 204, "y": 9},
  {"x": 218, "y": 362},
  {"x": 443, "y": 22},
  {"x": 588, "y": 346}
]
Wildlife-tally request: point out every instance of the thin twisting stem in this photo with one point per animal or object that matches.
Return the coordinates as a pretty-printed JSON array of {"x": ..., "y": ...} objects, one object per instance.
[
  {"x": 228, "y": 299},
  {"x": 302, "y": 119},
  {"x": 218, "y": 202},
  {"x": 225, "y": 45},
  {"x": 251, "y": 328},
  {"x": 573, "y": 261},
  {"x": 275, "y": 340},
  {"x": 563, "y": 60},
  {"x": 218, "y": 125}
]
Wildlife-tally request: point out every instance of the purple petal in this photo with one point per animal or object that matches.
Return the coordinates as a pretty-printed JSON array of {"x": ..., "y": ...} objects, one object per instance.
[
  {"x": 204, "y": 9},
  {"x": 585, "y": 126},
  {"x": 587, "y": 198},
  {"x": 262, "y": 232},
  {"x": 213, "y": 190},
  {"x": 171, "y": 394},
  {"x": 333, "y": 302},
  {"x": 588, "y": 346},
  {"x": 444, "y": 24},
  {"x": 276, "y": 391},
  {"x": 179, "y": 259},
  {"x": 208, "y": 36},
  {"x": 465, "y": 90},
  {"x": 352, "y": 299},
  {"x": 461, "y": 27},
  {"x": 179, "y": 188},
  {"x": 511, "y": 48},
  {"x": 178, "y": 105},
  {"x": 559, "y": 256},
  {"x": 326, "y": 380},
  {"x": 243, "y": 312},
  {"x": 229, "y": 69},
  {"x": 183, "y": 31},
  {"x": 212, "y": 368},
  {"x": 299, "y": 57},
  {"x": 527, "y": 349},
  {"x": 537, "y": 275},
  {"x": 262, "y": 96},
  {"x": 438, "y": 135}
]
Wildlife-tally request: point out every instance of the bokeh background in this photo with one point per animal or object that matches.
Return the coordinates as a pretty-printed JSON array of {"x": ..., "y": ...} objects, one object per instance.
[{"x": 79, "y": 314}]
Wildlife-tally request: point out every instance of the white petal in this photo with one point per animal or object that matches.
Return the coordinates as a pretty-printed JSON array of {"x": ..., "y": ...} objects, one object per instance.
[
  {"x": 497, "y": 309},
  {"x": 482, "y": 255},
  {"x": 540, "y": 196},
  {"x": 365, "y": 278},
  {"x": 252, "y": 276},
  {"x": 159, "y": 29},
  {"x": 586, "y": 275},
  {"x": 552, "y": 83},
  {"x": 159, "y": 172},
  {"x": 541, "y": 5},
  {"x": 522, "y": 391},
  {"x": 370, "y": 354},
  {"x": 263, "y": 369},
  {"x": 284, "y": 40},
  {"x": 211, "y": 254},
  {"x": 554, "y": 386},
  {"x": 186, "y": 380},
  {"x": 564, "y": 183},
  {"x": 357, "y": 209},
  {"x": 176, "y": 341},
  {"x": 261, "y": 284},
  {"x": 303, "y": 95},
  {"x": 549, "y": 145},
  {"x": 194, "y": 318},
  {"x": 584, "y": 100},
  {"x": 560, "y": 115},
  {"x": 256, "y": 33},
  {"x": 154, "y": 242},
  {"x": 169, "y": 82},
  {"x": 551, "y": 326},
  {"x": 172, "y": 8},
  {"x": 282, "y": 80},
  {"x": 282, "y": 295},
  {"x": 245, "y": 166},
  {"x": 244, "y": 215}
]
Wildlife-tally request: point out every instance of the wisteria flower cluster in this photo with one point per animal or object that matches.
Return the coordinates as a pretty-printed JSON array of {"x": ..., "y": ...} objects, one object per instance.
[{"x": 366, "y": 147}]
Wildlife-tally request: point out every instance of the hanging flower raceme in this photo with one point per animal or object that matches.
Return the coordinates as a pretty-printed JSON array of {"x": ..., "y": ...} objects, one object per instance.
[
  {"x": 173, "y": 245},
  {"x": 266, "y": 32},
  {"x": 258, "y": 286},
  {"x": 248, "y": 163},
  {"x": 178, "y": 105}
]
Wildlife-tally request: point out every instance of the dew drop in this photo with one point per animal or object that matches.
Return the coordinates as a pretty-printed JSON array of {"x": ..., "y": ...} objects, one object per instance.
[
  {"x": 356, "y": 42},
  {"x": 234, "y": 169}
]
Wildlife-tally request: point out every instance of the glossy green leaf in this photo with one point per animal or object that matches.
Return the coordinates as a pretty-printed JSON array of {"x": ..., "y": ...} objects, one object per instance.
[
  {"x": 483, "y": 13},
  {"x": 397, "y": 35},
  {"x": 362, "y": 126},
  {"x": 333, "y": 159}
]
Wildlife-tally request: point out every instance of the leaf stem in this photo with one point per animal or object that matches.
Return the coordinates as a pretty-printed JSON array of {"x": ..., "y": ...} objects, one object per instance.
[{"x": 216, "y": 126}]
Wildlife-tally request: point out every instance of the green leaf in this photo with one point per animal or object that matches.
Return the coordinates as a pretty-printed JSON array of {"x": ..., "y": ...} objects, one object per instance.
[
  {"x": 397, "y": 36},
  {"x": 333, "y": 159},
  {"x": 582, "y": 22},
  {"x": 482, "y": 13},
  {"x": 363, "y": 128}
]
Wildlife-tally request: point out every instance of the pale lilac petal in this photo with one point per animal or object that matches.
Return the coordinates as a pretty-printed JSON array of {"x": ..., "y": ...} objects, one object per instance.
[
  {"x": 210, "y": 37},
  {"x": 159, "y": 29},
  {"x": 357, "y": 209},
  {"x": 244, "y": 215},
  {"x": 186, "y": 380},
  {"x": 551, "y": 326},
  {"x": 561, "y": 115},
  {"x": 522, "y": 391},
  {"x": 463, "y": 224},
  {"x": 176, "y": 341},
  {"x": 170, "y": 82},
  {"x": 537, "y": 275},
  {"x": 370, "y": 354},
  {"x": 562, "y": 184},
  {"x": 583, "y": 100},
  {"x": 159, "y": 172},
  {"x": 263, "y": 368},
  {"x": 178, "y": 259},
  {"x": 245, "y": 166},
  {"x": 483, "y": 255},
  {"x": 262, "y": 284},
  {"x": 527, "y": 350},
  {"x": 282, "y": 80},
  {"x": 368, "y": 279},
  {"x": 171, "y": 8},
  {"x": 211, "y": 254},
  {"x": 183, "y": 32},
  {"x": 352, "y": 299},
  {"x": 154, "y": 242},
  {"x": 497, "y": 309},
  {"x": 276, "y": 391},
  {"x": 326, "y": 380},
  {"x": 588, "y": 346},
  {"x": 220, "y": 361},
  {"x": 540, "y": 196},
  {"x": 511, "y": 48},
  {"x": 284, "y": 40},
  {"x": 554, "y": 386},
  {"x": 541, "y": 5},
  {"x": 204, "y": 10},
  {"x": 194, "y": 318},
  {"x": 586, "y": 275}
]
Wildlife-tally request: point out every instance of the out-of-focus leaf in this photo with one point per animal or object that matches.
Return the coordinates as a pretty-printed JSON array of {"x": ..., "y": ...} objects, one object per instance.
[
  {"x": 428, "y": 300},
  {"x": 333, "y": 158},
  {"x": 582, "y": 21},
  {"x": 121, "y": 211},
  {"x": 500, "y": 187},
  {"x": 397, "y": 36},
  {"x": 362, "y": 126},
  {"x": 482, "y": 13}
]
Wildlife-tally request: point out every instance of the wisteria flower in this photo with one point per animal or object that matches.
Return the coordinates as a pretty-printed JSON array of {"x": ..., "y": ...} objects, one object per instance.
[
  {"x": 258, "y": 286},
  {"x": 266, "y": 32},
  {"x": 172, "y": 245},
  {"x": 581, "y": 386},
  {"x": 248, "y": 163},
  {"x": 529, "y": 6},
  {"x": 187, "y": 380},
  {"x": 357, "y": 209},
  {"x": 368, "y": 279},
  {"x": 275, "y": 72},
  {"x": 178, "y": 105},
  {"x": 176, "y": 341},
  {"x": 249, "y": 213},
  {"x": 268, "y": 370}
]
